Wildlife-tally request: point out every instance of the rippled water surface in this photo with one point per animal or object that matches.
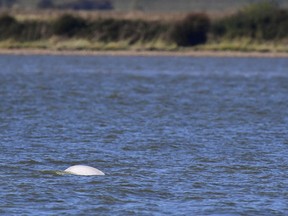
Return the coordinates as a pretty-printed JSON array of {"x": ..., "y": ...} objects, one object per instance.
[{"x": 174, "y": 135}]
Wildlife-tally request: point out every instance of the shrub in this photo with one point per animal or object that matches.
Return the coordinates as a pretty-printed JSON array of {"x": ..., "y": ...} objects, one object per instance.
[
  {"x": 9, "y": 27},
  {"x": 192, "y": 30},
  {"x": 264, "y": 21},
  {"x": 68, "y": 25},
  {"x": 108, "y": 30},
  {"x": 34, "y": 30}
]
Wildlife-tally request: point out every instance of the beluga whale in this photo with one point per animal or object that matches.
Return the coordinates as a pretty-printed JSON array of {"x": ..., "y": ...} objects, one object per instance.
[{"x": 83, "y": 170}]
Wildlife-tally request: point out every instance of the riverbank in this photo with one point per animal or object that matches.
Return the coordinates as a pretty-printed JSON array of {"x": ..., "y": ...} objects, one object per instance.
[
  {"x": 195, "y": 31},
  {"x": 191, "y": 53},
  {"x": 192, "y": 35}
]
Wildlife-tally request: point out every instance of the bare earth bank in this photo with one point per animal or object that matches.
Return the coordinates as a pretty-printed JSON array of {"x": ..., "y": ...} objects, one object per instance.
[{"x": 191, "y": 53}]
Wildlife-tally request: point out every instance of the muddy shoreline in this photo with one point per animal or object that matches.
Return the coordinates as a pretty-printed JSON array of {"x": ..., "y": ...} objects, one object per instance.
[{"x": 192, "y": 53}]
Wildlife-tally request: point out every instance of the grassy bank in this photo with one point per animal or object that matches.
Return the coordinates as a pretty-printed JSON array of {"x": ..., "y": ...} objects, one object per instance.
[
  {"x": 262, "y": 28},
  {"x": 84, "y": 44},
  {"x": 215, "y": 47}
]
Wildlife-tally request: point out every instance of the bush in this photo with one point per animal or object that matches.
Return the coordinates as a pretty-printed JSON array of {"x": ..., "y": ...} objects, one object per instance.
[
  {"x": 69, "y": 26},
  {"x": 192, "y": 30},
  {"x": 9, "y": 27},
  {"x": 104, "y": 30},
  {"x": 34, "y": 30},
  {"x": 264, "y": 21},
  {"x": 108, "y": 30}
]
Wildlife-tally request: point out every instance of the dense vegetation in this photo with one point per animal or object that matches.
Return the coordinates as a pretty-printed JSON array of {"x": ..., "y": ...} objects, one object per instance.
[
  {"x": 260, "y": 22},
  {"x": 265, "y": 21},
  {"x": 191, "y": 31}
]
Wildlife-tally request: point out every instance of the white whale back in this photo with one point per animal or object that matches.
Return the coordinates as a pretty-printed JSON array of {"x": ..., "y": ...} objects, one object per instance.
[{"x": 83, "y": 170}]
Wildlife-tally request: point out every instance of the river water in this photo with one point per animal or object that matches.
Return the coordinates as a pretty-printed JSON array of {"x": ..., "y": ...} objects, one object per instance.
[{"x": 174, "y": 135}]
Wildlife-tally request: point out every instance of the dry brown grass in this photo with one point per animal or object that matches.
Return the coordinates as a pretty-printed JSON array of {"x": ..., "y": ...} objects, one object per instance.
[{"x": 92, "y": 15}]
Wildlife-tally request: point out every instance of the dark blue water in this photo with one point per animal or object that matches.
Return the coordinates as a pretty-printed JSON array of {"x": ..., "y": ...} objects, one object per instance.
[{"x": 174, "y": 135}]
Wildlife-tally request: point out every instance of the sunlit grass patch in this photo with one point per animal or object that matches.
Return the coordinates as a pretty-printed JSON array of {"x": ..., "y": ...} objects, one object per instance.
[
  {"x": 71, "y": 44},
  {"x": 13, "y": 44},
  {"x": 245, "y": 45},
  {"x": 157, "y": 44}
]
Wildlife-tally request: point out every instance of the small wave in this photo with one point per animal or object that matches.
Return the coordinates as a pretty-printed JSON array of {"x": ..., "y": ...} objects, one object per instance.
[{"x": 54, "y": 172}]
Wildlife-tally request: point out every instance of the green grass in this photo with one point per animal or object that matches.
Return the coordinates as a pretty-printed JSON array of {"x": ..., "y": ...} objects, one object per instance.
[
  {"x": 55, "y": 43},
  {"x": 12, "y": 44},
  {"x": 245, "y": 45}
]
